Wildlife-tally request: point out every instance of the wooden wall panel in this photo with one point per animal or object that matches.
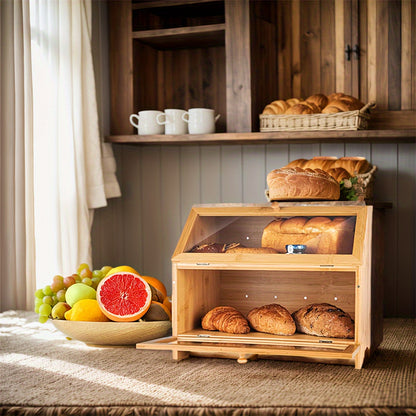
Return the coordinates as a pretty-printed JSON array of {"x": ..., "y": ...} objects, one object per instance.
[{"x": 231, "y": 170}]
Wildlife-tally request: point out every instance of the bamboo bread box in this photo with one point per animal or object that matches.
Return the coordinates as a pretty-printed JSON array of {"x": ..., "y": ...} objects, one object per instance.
[{"x": 247, "y": 279}]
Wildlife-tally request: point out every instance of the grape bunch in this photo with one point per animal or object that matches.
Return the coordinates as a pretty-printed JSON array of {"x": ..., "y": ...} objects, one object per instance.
[{"x": 50, "y": 301}]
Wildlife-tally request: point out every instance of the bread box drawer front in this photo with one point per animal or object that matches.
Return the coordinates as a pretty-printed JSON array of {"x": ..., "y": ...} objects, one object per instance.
[{"x": 341, "y": 354}]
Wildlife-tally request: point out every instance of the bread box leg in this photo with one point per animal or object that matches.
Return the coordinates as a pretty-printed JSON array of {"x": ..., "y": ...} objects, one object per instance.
[
  {"x": 180, "y": 355},
  {"x": 243, "y": 358}
]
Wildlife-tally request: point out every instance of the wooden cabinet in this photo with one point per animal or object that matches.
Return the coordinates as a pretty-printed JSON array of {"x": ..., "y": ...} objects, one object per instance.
[
  {"x": 236, "y": 56},
  {"x": 202, "y": 281}
]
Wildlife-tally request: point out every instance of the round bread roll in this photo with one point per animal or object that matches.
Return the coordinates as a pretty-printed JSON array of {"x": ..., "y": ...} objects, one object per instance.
[
  {"x": 335, "y": 96},
  {"x": 298, "y": 183},
  {"x": 252, "y": 250},
  {"x": 298, "y": 163},
  {"x": 293, "y": 101},
  {"x": 320, "y": 162},
  {"x": 315, "y": 109},
  {"x": 353, "y": 165},
  {"x": 339, "y": 174},
  {"x": 272, "y": 319},
  {"x": 320, "y": 100},
  {"x": 276, "y": 107},
  {"x": 299, "y": 109},
  {"x": 337, "y": 106}
]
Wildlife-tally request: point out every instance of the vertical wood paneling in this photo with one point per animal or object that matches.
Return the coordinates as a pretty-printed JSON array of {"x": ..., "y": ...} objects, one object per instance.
[
  {"x": 190, "y": 189},
  {"x": 382, "y": 62},
  {"x": 277, "y": 156},
  {"x": 371, "y": 49},
  {"x": 384, "y": 156},
  {"x": 231, "y": 174},
  {"x": 210, "y": 174},
  {"x": 339, "y": 46},
  {"x": 394, "y": 55},
  {"x": 238, "y": 75},
  {"x": 406, "y": 53},
  {"x": 355, "y": 40},
  {"x": 121, "y": 65},
  {"x": 253, "y": 177},
  {"x": 327, "y": 55},
  {"x": 333, "y": 149},
  {"x": 151, "y": 212},
  {"x": 285, "y": 47},
  {"x": 170, "y": 208},
  {"x": 358, "y": 149},
  {"x": 363, "y": 33},
  {"x": 303, "y": 151},
  {"x": 310, "y": 47},
  {"x": 348, "y": 64},
  {"x": 406, "y": 191},
  {"x": 296, "y": 62},
  {"x": 131, "y": 197}
]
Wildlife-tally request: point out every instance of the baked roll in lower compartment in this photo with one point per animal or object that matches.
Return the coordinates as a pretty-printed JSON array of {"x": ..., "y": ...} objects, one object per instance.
[
  {"x": 272, "y": 319},
  {"x": 325, "y": 320}
]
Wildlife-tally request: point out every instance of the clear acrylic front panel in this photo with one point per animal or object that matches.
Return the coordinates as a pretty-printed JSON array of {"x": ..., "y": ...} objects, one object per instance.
[{"x": 307, "y": 234}]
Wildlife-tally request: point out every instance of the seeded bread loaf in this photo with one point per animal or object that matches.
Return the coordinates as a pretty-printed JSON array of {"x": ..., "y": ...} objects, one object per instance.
[{"x": 325, "y": 320}]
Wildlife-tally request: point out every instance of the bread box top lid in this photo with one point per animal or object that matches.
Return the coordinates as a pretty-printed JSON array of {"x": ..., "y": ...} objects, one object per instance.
[{"x": 335, "y": 233}]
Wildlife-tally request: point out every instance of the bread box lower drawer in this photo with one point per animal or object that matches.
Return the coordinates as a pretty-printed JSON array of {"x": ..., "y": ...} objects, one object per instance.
[{"x": 196, "y": 291}]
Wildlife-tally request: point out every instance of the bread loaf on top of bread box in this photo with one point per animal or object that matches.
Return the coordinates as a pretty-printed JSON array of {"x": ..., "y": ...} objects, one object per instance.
[{"x": 298, "y": 183}]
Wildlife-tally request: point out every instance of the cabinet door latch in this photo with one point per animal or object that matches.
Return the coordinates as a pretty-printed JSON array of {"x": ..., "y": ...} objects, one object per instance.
[{"x": 348, "y": 51}]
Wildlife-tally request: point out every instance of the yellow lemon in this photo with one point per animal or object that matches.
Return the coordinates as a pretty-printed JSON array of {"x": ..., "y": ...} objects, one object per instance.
[
  {"x": 120, "y": 269},
  {"x": 86, "y": 310}
]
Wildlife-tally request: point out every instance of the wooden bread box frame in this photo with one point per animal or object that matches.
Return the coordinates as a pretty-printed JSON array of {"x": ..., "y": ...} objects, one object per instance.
[{"x": 202, "y": 281}]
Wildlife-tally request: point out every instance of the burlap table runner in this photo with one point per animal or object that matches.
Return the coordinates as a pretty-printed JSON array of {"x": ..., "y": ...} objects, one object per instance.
[{"x": 44, "y": 373}]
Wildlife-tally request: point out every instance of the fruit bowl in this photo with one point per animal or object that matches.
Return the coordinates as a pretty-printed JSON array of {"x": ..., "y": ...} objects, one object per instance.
[{"x": 113, "y": 333}]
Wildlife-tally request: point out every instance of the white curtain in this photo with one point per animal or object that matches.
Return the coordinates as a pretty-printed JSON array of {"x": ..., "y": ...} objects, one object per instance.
[{"x": 64, "y": 179}]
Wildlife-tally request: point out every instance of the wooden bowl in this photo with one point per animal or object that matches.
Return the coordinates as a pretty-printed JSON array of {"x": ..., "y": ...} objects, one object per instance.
[{"x": 113, "y": 333}]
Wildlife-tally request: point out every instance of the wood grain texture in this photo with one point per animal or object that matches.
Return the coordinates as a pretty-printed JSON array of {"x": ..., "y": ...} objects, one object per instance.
[
  {"x": 238, "y": 75},
  {"x": 121, "y": 66}
]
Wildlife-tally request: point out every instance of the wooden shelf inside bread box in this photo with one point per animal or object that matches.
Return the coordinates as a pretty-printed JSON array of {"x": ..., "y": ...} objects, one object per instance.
[{"x": 202, "y": 281}]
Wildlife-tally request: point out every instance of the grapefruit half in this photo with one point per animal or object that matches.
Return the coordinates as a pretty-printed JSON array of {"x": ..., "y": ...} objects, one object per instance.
[{"x": 124, "y": 296}]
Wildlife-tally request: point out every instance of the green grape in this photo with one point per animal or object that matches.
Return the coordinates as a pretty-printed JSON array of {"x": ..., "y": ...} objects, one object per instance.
[
  {"x": 77, "y": 278},
  {"x": 87, "y": 281},
  {"x": 38, "y": 302},
  {"x": 61, "y": 295},
  {"x": 47, "y": 290},
  {"x": 55, "y": 299},
  {"x": 39, "y": 294},
  {"x": 81, "y": 267},
  {"x": 45, "y": 310},
  {"x": 95, "y": 281},
  {"x": 48, "y": 300},
  {"x": 58, "y": 311},
  {"x": 37, "y": 308},
  {"x": 43, "y": 319},
  {"x": 105, "y": 269},
  {"x": 98, "y": 274},
  {"x": 57, "y": 283}
]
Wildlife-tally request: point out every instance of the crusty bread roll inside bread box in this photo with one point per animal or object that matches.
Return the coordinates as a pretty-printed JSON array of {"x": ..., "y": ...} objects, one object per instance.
[{"x": 321, "y": 235}]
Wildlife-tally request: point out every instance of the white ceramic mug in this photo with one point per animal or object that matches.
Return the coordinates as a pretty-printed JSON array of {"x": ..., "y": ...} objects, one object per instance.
[
  {"x": 200, "y": 120},
  {"x": 172, "y": 119},
  {"x": 146, "y": 122}
]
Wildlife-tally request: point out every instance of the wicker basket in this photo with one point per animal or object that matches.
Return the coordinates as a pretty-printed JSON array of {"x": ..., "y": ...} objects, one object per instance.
[
  {"x": 362, "y": 185},
  {"x": 346, "y": 120}
]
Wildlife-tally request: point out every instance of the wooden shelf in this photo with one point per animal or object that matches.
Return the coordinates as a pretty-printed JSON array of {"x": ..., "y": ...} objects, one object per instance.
[
  {"x": 190, "y": 36},
  {"x": 408, "y": 135}
]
